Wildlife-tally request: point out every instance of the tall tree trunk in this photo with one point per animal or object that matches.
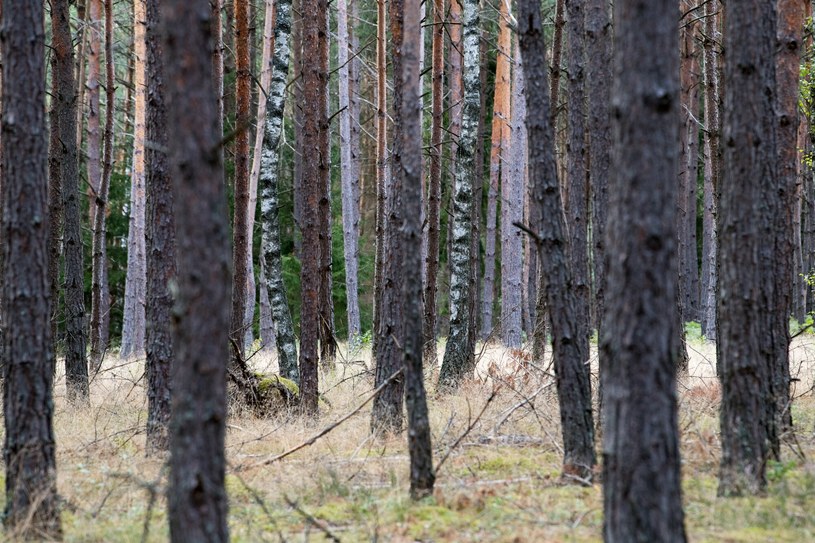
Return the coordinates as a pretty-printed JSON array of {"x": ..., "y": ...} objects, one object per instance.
[
  {"x": 241, "y": 250},
  {"x": 749, "y": 205},
  {"x": 788, "y": 61},
  {"x": 315, "y": 171},
  {"x": 328, "y": 342},
  {"x": 32, "y": 505},
  {"x": 196, "y": 496},
  {"x": 458, "y": 360},
  {"x": 350, "y": 210},
  {"x": 433, "y": 212},
  {"x": 512, "y": 212},
  {"x": 64, "y": 153},
  {"x": 269, "y": 186},
  {"x": 641, "y": 464},
  {"x": 577, "y": 180},
  {"x": 712, "y": 160},
  {"x": 557, "y": 52},
  {"x": 381, "y": 164},
  {"x": 408, "y": 174},
  {"x": 160, "y": 243},
  {"x": 133, "y": 319},
  {"x": 100, "y": 289},
  {"x": 574, "y": 391},
  {"x": 216, "y": 6},
  {"x": 268, "y": 333},
  {"x": 455, "y": 104},
  {"x": 386, "y": 415},
  {"x": 500, "y": 135}
]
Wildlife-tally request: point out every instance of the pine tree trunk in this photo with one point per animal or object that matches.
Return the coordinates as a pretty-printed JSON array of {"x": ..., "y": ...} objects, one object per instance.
[
  {"x": 133, "y": 323},
  {"x": 408, "y": 173},
  {"x": 196, "y": 496},
  {"x": 32, "y": 504},
  {"x": 381, "y": 166},
  {"x": 350, "y": 211},
  {"x": 270, "y": 198},
  {"x": 500, "y": 128},
  {"x": 641, "y": 463},
  {"x": 557, "y": 52},
  {"x": 160, "y": 242},
  {"x": 66, "y": 155},
  {"x": 749, "y": 208},
  {"x": 62, "y": 47},
  {"x": 314, "y": 183},
  {"x": 433, "y": 212},
  {"x": 574, "y": 391},
  {"x": 458, "y": 361},
  {"x": 100, "y": 289}
]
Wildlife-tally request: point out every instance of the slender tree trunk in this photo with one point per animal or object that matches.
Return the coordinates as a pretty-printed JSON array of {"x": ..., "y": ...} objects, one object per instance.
[
  {"x": 328, "y": 342},
  {"x": 160, "y": 242},
  {"x": 350, "y": 211},
  {"x": 100, "y": 289},
  {"x": 574, "y": 391},
  {"x": 455, "y": 104},
  {"x": 381, "y": 165},
  {"x": 315, "y": 171},
  {"x": 268, "y": 333},
  {"x": 512, "y": 202},
  {"x": 269, "y": 186},
  {"x": 408, "y": 171},
  {"x": 241, "y": 250},
  {"x": 32, "y": 505},
  {"x": 62, "y": 47},
  {"x": 712, "y": 155},
  {"x": 500, "y": 134},
  {"x": 196, "y": 496},
  {"x": 458, "y": 360},
  {"x": 433, "y": 212},
  {"x": 788, "y": 62},
  {"x": 577, "y": 180},
  {"x": 216, "y": 6},
  {"x": 641, "y": 464},
  {"x": 133, "y": 323},
  {"x": 750, "y": 204},
  {"x": 76, "y": 364}
]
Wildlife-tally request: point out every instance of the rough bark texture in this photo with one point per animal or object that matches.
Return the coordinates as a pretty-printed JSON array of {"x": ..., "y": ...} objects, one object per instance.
[
  {"x": 381, "y": 163},
  {"x": 133, "y": 323},
  {"x": 29, "y": 453},
  {"x": 788, "y": 223},
  {"x": 348, "y": 169},
  {"x": 573, "y": 386},
  {"x": 160, "y": 243},
  {"x": 270, "y": 199},
  {"x": 315, "y": 169},
  {"x": 76, "y": 364},
  {"x": 433, "y": 211},
  {"x": 577, "y": 187},
  {"x": 749, "y": 206},
  {"x": 196, "y": 496},
  {"x": 712, "y": 160},
  {"x": 386, "y": 415},
  {"x": 458, "y": 360},
  {"x": 500, "y": 129},
  {"x": 557, "y": 51},
  {"x": 642, "y": 495}
]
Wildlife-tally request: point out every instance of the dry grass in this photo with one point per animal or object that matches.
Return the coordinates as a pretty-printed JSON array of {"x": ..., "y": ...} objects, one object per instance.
[{"x": 500, "y": 484}]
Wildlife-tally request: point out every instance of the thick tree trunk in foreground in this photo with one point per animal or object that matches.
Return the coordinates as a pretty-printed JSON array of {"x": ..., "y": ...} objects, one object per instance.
[
  {"x": 29, "y": 453},
  {"x": 315, "y": 168},
  {"x": 65, "y": 98},
  {"x": 574, "y": 390},
  {"x": 196, "y": 496},
  {"x": 269, "y": 186},
  {"x": 133, "y": 323},
  {"x": 641, "y": 466},
  {"x": 458, "y": 360},
  {"x": 160, "y": 242},
  {"x": 749, "y": 208},
  {"x": 409, "y": 169}
]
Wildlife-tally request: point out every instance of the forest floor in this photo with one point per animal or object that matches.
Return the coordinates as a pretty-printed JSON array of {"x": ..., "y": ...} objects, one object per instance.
[{"x": 500, "y": 481}]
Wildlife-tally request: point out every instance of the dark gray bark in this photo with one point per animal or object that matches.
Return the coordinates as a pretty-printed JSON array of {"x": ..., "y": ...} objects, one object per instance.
[
  {"x": 458, "y": 360},
  {"x": 749, "y": 207},
  {"x": 573, "y": 385},
  {"x": 196, "y": 495},
  {"x": 29, "y": 452},
  {"x": 269, "y": 183},
  {"x": 160, "y": 244},
  {"x": 642, "y": 496}
]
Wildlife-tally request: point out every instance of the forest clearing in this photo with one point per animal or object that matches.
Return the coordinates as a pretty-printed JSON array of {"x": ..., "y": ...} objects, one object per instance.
[{"x": 500, "y": 482}]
